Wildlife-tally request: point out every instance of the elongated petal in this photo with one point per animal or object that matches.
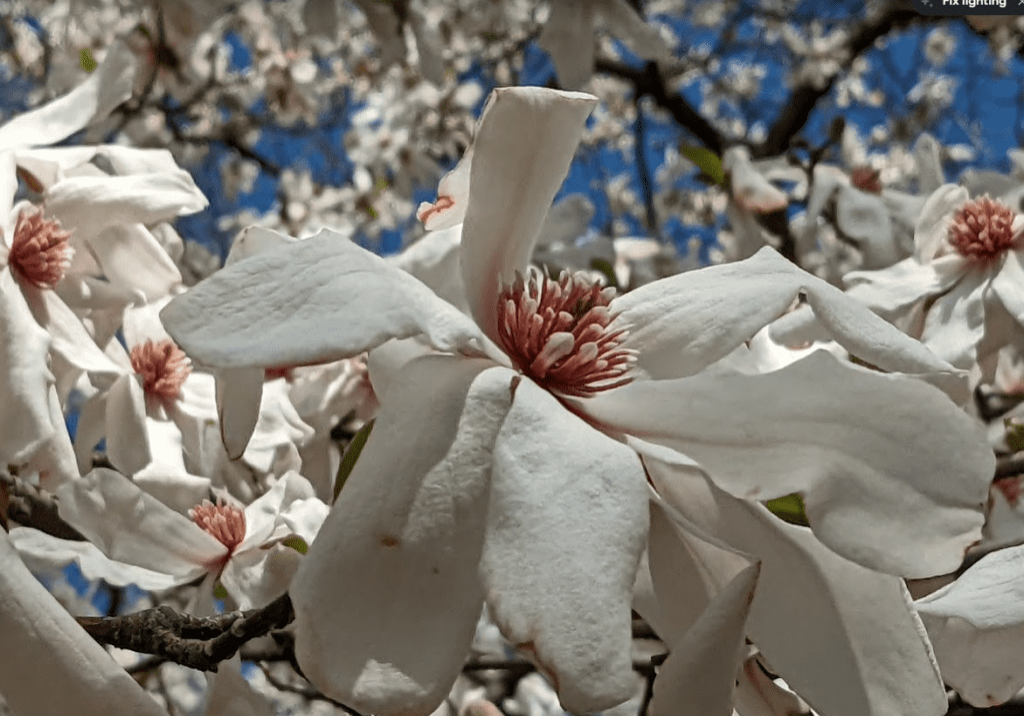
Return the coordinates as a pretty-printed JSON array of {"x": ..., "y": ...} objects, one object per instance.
[
  {"x": 70, "y": 339},
  {"x": 523, "y": 147},
  {"x": 893, "y": 475},
  {"x": 49, "y": 662},
  {"x": 699, "y": 675},
  {"x": 387, "y": 600},
  {"x": 313, "y": 301},
  {"x": 25, "y": 376},
  {"x": 681, "y": 325},
  {"x": 931, "y": 231},
  {"x": 865, "y": 218},
  {"x": 955, "y": 322},
  {"x": 130, "y": 256},
  {"x": 95, "y": 98},
  {"x": 976, "y": 625},
  {"x": 91, "y": 204},
  {"x": 845, "y": 638},
  {"x": 567, "y": 525},
  {"x": 1007, "y": 283},
  {"x": 127, "y": 437},
  {"x": 41, "y": 551},
  {"x": 568, "y": 37},
  {"x": 130, "y": 526},
  {"x": 239, "y": 393},
  {"x": 892, "y": 292}
]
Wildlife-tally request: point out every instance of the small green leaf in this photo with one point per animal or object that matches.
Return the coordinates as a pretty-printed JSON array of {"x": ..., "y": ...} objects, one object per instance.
[
  {"x": 86, "y": 59},
  {"x": 348, "y": 460},
  {"x": 708, "y": 162},
  {"x": 296, "y": 543},
  {"x": 219, "y": 591},
  {"x": 1014, "y": 434},
  {"x": 607, "y": 270},
  {"x": 789, "y": 508}
]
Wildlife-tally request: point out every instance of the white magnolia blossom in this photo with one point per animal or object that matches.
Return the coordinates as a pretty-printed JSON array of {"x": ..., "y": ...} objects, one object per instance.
[
  {"x": 961, "y": 292},
  {"x": 136, "y": 539},
  {"x": 470, "y": 487}
]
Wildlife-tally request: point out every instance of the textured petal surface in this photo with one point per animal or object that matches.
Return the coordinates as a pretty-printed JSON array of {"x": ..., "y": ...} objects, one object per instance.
[
  {"x": 860, "y": 649},
  {"x": 681, "y": 325},
  {"x": 312, "y": 301},
  {"x": 893, "y": 475},
  {"x": 452, "y": 198},
  {"x": 568, "y": 36},
  {"x": 130, "y": 526},
  {"x": 567, "y": 525},
  {"x": 523, "y": 147},
  {"x": 48, "y": 661},
  {"x": 387, "y": 600},
  {"x": 25, "y": 377},
  {"x": 127, "y": 437},
  {"x": 976, "y": 625}
]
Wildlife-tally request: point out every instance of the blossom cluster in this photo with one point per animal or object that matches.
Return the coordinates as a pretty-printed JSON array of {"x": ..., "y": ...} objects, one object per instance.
[{"x": 545, "y": 437}]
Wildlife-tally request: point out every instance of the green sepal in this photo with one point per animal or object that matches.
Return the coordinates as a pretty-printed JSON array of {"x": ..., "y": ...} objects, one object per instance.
[
  {"x": 296, "y": 543},
  {"x": 789, "y": 508},
  {"x": 86, "y": 60},
  {"x": 707, "y": 161},
  {"x": 348, "y": 460}
]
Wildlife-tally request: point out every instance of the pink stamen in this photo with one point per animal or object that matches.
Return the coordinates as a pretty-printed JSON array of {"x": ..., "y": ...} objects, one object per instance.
[
  {"x": 557, "y": 333},
  {"x": 40, "y": 252},
  {"x": 225, "y": 522},
  {"x": 866, "y": 179},
  {"x": 163, "y": 367},
  {"x": 982, "y": 229}
]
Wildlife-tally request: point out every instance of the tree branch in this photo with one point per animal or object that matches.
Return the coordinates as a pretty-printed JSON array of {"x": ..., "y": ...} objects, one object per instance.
[
  {"x": 199, "y": 643},
  {"x": 32, "y": 507}
]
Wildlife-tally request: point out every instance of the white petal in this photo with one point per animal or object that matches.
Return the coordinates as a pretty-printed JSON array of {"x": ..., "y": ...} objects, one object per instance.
[
  {"x": 25, "y": 376},
  {"x": 955, "y": 322},
  {"x": 95, "y": 98},
  {"x": 239, "y": 394},
  {"x": 70, "y": 339},
  {"x": 387, "y": 600},
  {"x": 41, "y": 551},
  {"x": 893, "y": 474},
  {"x": 127, "y": 438},
  {"x": 976, "y": 625},
  {"x": 893, "y": 291},
  {"x": 434, "y": 260},
  {"x": 130, "y": 256},
  {"x": 931, "y": 231},
  {"x": 132, "y": 527},
  {"x": 523, "y": 147},
  {"x": 1007, "y": 285},
  {"x": 92, "y": 204},
  {"x": 626, "y": 24},
  {"x": 257, "y": 577},
  {"x": 452, "y": 198},
  {"x": 48, "y": 661},
  {"x": 230, "y": 694},
  {"x": 312, "y": 301},
  {"x": 699, "y": 675},
  {"x": 865, "y": 218},
  {"x": 845, "y": 638},
  {"x": 568, "y": 37},
  {"x": 681, "y": 325},
  {"x": 929, "y": 164},
  {"x": 567, "y": 524},
  {"x": 750, "y": 190},
  {"x": 255, "y": 240}
]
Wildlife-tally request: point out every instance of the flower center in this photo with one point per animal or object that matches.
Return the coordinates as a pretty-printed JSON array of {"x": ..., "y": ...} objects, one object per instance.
[
  {"x": 225, "y": 522},
  {"x": 866, "y": 179},
  {"x": 40, "y": 252},
  {"x": 163, "y": 367},
  {"x": 982, "y": 229},
  {"x": 557, "y": 333}
]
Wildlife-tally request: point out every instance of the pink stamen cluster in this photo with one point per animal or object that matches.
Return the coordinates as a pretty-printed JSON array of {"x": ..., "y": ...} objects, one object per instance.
[
  {"x": 558, "y": 334},
  {"x": 163, "y": 367},
  {"x": 225, "y": 522},
  {"x": 982, "y": 229},
  {"x": 866, "y": 179},
  {"x": 40, "y": 252}
]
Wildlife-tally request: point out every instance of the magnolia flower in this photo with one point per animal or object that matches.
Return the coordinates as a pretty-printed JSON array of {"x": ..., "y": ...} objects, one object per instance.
[
  {"x": 136, "y": 539},
  {"x": 960, "y": 292},
  {"x": 504, "y": 465}
]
